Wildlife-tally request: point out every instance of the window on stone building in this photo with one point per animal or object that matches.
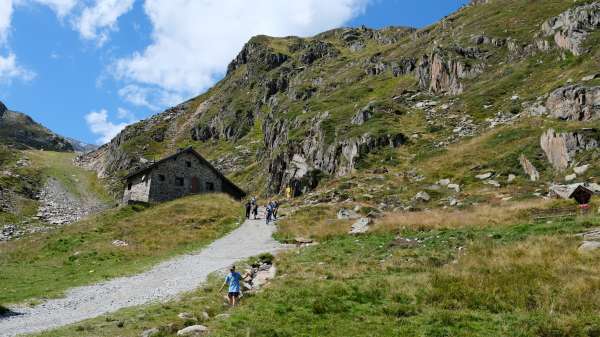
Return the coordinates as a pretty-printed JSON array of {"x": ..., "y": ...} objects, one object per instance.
[
  {"x": 161, "y": 177},
  {"x": 210, "y": 186},
  {"x": 188, "y": 163},
  {"x": 179, "y": 181}
]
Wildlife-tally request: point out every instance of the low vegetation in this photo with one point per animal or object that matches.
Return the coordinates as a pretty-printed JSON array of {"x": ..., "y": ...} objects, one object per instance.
[
  {"x": 59, "y": 165},
  {"x": 45, "y": 265},
  {"x": 512, "y": 277}
]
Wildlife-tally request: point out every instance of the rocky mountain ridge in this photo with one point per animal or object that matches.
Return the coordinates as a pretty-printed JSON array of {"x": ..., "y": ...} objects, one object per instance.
[
  {"x": 304, "y": 109},
  {"x": 22, "y": 132}
]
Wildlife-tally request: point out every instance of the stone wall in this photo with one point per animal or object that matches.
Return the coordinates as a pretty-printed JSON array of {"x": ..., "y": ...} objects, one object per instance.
[
  {"x": 137, "y": 189},
  {"x": 177, "y": 167}
]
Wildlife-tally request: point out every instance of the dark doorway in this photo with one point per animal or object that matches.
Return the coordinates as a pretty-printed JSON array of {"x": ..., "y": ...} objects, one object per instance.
[{"x": 195, "y": 185}]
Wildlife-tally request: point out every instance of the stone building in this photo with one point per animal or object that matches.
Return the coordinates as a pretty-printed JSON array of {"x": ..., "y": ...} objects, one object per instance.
[{"x": 183, "y": 173}]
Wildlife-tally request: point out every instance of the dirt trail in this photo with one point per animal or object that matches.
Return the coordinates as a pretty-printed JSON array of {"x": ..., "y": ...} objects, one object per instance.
[{"x": 161, "y": 283}]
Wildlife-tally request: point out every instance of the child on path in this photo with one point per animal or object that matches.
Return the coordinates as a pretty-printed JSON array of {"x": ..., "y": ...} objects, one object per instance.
[{"x": 233, "y": 281}]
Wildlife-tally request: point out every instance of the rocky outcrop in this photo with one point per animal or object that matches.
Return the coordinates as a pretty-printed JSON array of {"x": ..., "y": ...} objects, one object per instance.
[
  {"x": 529, "y": 169},
  {"x": 257, "y": 55},
  {"x": 21, "y": 131},
  {"x": 561, "y": 148},
  {"x": 301, "y": 164},
  {"x": 574, "y": 102},
  {"x": 571, "y": 28},
  {"x": 441, "y": 71},
  {"x": 315, "y": 50}
]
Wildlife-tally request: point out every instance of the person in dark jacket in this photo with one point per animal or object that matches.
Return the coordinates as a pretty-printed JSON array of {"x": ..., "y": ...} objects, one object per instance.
[{"x": 248, "y": 209}]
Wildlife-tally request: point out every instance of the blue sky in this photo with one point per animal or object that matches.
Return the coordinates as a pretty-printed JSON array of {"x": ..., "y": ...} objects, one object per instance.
[{"x": 86, "y": 68}]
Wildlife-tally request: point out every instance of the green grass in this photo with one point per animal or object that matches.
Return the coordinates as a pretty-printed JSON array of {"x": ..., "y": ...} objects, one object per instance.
[
  {"x": 45, "y": 265},
  {"x": 59, "y": 165},
  {"x": 523, "y": 279}
]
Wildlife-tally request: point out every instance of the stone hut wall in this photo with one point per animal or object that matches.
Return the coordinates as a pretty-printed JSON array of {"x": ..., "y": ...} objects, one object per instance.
[
  {"x": 182, "y": 175},
  {"x": 138, "y": 188}
]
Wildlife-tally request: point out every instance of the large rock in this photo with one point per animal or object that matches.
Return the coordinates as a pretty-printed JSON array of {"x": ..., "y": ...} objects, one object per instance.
[
  {"x": 442, "y": 70},
  {"x": 561, "y": 148},
  {"x": 194, "y": 330},
  {"x": 575, "y": 102},
  {"x": 571, "y": 28},
  {"x": 588, "y": 246},
  {"x": 361, "y": 226},
  {"x": 529, "y": 169},
  {"x": 344, "y": 214}
]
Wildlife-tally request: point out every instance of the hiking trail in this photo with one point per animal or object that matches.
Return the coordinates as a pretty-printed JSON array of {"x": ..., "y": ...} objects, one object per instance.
[{"x": 161, "y": 283}]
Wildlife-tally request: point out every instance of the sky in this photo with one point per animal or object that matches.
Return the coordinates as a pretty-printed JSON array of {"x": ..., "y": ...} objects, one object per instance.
[{"x": 87, "y": 68}]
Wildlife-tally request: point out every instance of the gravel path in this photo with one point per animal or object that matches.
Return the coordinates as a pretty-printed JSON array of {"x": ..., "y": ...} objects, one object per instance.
[{"x": 163, "y": 282}]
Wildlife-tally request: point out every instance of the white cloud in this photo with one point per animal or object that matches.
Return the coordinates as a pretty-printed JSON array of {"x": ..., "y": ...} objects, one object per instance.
[
  {"x": 10, "y": 70},
  {"x": 137, "y": 96},
  {"x": 149, "y": 97},
  {"x": 96, "y": 22},
  {"x": 125, "y": 114},
  {"x": 6, "y": 9},
  {"x": 193, "y": 41},
  {"x": 100, "y": 125},
  {"x": 60, "y": 7}
]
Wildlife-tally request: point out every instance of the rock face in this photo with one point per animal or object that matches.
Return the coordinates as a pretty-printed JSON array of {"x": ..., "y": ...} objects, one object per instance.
[
  {"x": 571, "y": 28},
  {"x": 529, "y": 169},
  {"x": 441, "y": 71},
  {"x": 20, "y": 131},
  {"x": 574, "y": 102},
  {"x": 561, "y": 148}
]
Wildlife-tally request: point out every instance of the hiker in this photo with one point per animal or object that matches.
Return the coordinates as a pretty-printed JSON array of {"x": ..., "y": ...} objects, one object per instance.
[
  {"x": 248, "y": 209},
  {"x": 253, "y": 201},
  {"x": 233, "y": 281},
  {"x": 269, "y": 209},
  {"x": 255, "y": 211},
  {"x": 275, "y": 209}
]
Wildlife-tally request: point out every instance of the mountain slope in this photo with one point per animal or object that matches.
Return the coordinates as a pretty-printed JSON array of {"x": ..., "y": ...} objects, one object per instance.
[
  {"x": 20, "y": 131},
  {"x": 303, "y": 111}
]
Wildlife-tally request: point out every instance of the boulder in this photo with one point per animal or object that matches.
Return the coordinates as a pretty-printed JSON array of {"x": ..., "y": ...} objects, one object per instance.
[
  {"x": 575, "y": 103},
  {"x": 484, "y": 176},
  {"x": 590, "y": 77},
  {"x": 444, "y": 182},
  {"x": 422, "y": 196},
  {"x": 529, "y": 169},
  {"x": 511, "y": 178},
  {"x": 455, "y": 187},
  {"x": 194, "y": 330},
  {"x": 579, "y": 170},
  {"x": 344, "y": 214},
  {"x": 561, "y": 148},
  {"x": 186, "y": 316},
  {"x": 492, "y": 183},
  {"x": 570, "y": 177},
  {"x": 588, "y": 246},
  {"x": 361, "y": 226}
]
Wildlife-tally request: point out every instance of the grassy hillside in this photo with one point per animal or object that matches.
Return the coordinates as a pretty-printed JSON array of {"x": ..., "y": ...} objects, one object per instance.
[
  {"x": 475, "y": 277},
  {"x": 45, "y": 265},
  {"x": 25, "y": 172},
  {"x": 263, "y": 114},
  {"x": 59, "y": 165}
]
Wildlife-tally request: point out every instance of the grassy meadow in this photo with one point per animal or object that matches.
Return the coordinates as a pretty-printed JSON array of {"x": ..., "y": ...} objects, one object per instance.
[
  {"x": 510, "y": 277},
  {"x": 47, "y": 264}
]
